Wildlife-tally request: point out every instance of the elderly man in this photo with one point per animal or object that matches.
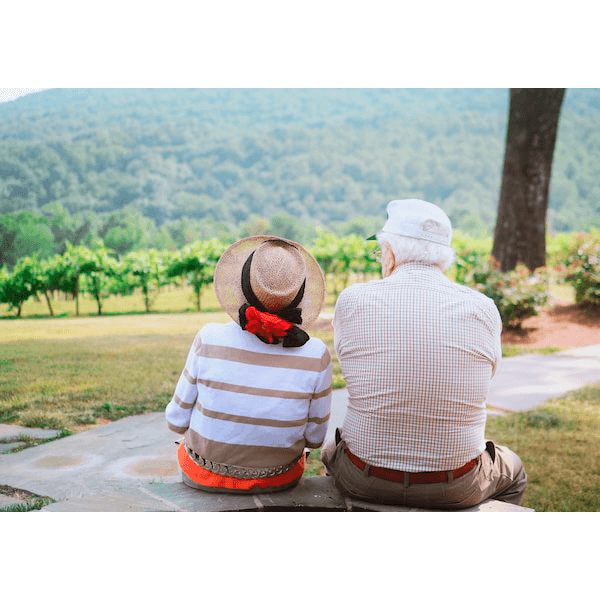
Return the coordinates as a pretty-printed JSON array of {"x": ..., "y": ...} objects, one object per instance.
[{"x": 417, "y": 352}]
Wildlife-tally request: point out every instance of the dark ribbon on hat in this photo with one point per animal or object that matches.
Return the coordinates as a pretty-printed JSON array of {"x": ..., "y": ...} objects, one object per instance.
[{"x": 271, "y": 327}]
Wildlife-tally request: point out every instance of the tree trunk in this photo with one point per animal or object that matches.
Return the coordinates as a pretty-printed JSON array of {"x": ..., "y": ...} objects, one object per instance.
[
  {"x": 77, "y": 296},
  {"x": 48, "y": 303},
  {"x": 520, "y": 233}
]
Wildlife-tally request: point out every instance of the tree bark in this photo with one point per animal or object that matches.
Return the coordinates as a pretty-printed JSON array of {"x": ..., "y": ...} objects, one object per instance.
[
  {"x": 520, "y": 233},
  {"x": 48, "y": 303}
]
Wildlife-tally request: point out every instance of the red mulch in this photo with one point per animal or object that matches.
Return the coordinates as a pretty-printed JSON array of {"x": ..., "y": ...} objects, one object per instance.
[{"x": 560, "y": 325}]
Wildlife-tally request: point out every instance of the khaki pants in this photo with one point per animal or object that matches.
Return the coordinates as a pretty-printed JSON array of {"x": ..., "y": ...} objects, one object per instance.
[{"x": 499, "y": 474}]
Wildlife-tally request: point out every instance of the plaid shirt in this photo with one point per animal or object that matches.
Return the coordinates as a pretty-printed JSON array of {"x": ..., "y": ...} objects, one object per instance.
[{"x": 417, "y": 352}]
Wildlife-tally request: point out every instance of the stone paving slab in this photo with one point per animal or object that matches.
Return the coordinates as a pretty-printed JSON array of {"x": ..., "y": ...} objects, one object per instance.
[
  {"x": 523, "y": 382},
  {"x": 123, "y": 454},
  {"x": 188, "y": 499},
  {"x": 8, "y": 432},
  {"x": 312, "y": 494},
  {"x": 124, "y": 500},
  {"x": 8, "y": 446}
]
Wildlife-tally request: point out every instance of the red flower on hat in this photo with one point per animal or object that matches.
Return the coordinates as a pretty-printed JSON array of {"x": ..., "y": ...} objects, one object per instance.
[{"x": 265, "y": 324}]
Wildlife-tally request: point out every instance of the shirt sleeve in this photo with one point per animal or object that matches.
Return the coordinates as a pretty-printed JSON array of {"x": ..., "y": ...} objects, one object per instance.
[
  {"x": 179, "y": 410},
  {"x": 497, "y": 333},
  {"x": 340, "y": 318},
  {"x": 320, "y": 406}
]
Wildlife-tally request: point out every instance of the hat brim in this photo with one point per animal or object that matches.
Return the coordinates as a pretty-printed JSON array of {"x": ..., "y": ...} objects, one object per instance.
[{"x": 228, "y": 281}]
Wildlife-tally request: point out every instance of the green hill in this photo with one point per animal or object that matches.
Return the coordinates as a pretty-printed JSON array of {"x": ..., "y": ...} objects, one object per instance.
[{"x": 321, "y": 156}]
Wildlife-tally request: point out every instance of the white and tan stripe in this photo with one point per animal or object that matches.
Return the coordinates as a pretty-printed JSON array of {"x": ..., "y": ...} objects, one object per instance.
[
  {"x": 261, "y": 422},
  {"x": 257, "y": 359},
  {"x": 251, "y": 395},
  {"x": 213, "y": 414}
]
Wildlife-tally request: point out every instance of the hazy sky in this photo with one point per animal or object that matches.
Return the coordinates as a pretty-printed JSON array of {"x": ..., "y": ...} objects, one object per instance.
[{"x": 7, "y": 94}]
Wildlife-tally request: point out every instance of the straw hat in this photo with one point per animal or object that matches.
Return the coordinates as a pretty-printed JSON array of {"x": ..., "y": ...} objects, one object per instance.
[{"x": 279, "y": 268}]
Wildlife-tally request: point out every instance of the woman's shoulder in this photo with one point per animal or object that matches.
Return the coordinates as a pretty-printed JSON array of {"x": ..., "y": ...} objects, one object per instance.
[
  {"x": 217, "y": 331},
  {"x": 316, "y": 347}
]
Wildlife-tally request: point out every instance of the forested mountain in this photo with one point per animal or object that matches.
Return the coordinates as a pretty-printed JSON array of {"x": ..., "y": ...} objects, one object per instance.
[{"x": 319, "y": 156}]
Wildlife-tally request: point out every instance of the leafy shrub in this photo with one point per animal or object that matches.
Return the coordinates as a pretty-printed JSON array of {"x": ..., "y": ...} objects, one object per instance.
[
  {"x": 517, "y": 294},
  {"x": 581, "y": 267}
]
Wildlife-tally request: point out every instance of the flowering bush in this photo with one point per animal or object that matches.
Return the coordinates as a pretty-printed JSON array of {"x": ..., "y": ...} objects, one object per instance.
[
  {"x": 517, "y": 294},
  {"x": 581, "y": 267}
]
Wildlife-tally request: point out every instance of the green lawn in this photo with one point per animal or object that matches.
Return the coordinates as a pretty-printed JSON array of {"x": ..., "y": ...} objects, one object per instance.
[
  {"x": 61, "y": 373},
  {"x": 558, "y": 443}
]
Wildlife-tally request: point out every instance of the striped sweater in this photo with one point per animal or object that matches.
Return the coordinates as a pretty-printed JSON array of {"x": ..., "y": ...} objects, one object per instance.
[{"x": 242, "y": 402}]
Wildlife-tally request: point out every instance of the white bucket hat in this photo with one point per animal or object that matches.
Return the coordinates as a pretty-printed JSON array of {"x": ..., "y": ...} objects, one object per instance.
[{"x": 418, "y": 219}]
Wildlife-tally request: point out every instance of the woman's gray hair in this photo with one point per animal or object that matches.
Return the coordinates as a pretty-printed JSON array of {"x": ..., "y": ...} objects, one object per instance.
[{"x": 407, "y": 249}]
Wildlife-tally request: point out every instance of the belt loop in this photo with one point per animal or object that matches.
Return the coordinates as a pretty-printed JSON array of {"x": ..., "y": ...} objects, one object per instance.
[
  {"x": 367, "y": 469},
  {"x": 450, "y": 476},
  {"x": 406, "y": 479}
]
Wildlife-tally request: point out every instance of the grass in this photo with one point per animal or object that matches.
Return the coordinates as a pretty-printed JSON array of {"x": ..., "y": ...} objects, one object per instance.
[
  {"x": 563, "y": 292},
  {"x": 558, "y": 443},
  {"x": 24, "y": 501},
  {"x": 171, "y": 299},
  {"x": 314, "y": 466},
  {"x": 508, "y": 351},
  {"x": 27, "y": 441},
  {"x": 64, "y": 373}
]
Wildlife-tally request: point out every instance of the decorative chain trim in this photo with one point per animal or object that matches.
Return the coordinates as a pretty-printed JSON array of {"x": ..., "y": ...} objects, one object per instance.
[{"x": 235, "y": 471}]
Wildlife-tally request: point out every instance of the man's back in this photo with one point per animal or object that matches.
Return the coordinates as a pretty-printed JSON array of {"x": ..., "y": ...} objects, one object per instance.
[{"x": 417, "y": 353}]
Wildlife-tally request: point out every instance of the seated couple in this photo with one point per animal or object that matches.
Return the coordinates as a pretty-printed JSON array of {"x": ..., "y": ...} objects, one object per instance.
[{"x": 417, "y": 352}]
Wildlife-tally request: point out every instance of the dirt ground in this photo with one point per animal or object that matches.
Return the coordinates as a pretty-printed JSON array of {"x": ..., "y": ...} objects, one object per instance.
[{"x": 561, "y": 325}]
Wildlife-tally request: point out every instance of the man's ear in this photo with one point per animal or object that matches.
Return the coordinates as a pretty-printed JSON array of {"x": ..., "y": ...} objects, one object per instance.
[{"x": 388, "y": 261}]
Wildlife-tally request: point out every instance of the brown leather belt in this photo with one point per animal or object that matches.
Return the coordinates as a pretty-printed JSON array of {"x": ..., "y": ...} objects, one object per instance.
[{"x": 399, "y": 476}]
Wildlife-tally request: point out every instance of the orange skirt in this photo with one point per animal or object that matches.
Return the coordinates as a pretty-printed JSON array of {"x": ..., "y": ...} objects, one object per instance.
[{"x": 207, "y": 478}]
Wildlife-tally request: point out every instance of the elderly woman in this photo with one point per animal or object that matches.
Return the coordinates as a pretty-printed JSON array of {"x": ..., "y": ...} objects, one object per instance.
[{"x": 255, "y": 392}]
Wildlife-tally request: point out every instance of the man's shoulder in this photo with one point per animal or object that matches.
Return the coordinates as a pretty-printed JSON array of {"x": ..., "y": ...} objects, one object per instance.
[
  {"x": 471, "y": 293},
  {"x": 482, "y": 304},
  {"x": 361, "y": 289},
  {"x": 363, "y": 293}
]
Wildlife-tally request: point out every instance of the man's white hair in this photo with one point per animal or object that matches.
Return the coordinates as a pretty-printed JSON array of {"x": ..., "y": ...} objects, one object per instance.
[{"x": 407, "y": 249}]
